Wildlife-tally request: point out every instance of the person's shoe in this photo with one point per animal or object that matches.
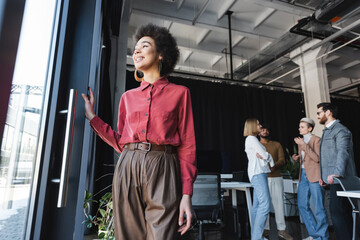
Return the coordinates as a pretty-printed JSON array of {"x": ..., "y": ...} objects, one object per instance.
[
  {"x": 308, "y": 238},
  {"x": 266, "y": 233},
  {"x": 284, "y": 235}
]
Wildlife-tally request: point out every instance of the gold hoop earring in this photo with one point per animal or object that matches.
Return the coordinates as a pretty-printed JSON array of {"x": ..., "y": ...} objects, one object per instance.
[{"x": 139, "y": 75}]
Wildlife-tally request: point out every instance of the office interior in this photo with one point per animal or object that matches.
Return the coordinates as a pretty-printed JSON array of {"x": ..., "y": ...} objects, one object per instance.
[{"x": 272, "y": 60}]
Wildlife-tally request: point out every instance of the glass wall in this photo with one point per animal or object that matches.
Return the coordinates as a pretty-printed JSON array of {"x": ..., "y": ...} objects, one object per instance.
[{"x": 21, "y": 138}]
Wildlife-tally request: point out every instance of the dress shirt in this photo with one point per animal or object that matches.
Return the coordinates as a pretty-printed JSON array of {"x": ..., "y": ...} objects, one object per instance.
[
  {"x": 330, "y": 123},
  {"x": 306, "y": 140},
  {"x": 255, "y": 164},
  {"x": 159, "y": 113}
]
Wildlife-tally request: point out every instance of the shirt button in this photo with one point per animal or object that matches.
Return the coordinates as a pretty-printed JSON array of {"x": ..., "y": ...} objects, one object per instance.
[
  {"x": 146, "y": 114},
  {"x": 143, "y": 130}
]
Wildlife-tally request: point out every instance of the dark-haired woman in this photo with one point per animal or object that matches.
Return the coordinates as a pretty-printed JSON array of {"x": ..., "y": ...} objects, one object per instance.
[{"x": 157, "y": 143}]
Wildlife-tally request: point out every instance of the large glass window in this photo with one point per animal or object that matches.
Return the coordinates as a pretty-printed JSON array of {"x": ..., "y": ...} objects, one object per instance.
[{"x": 20, "y": 139}]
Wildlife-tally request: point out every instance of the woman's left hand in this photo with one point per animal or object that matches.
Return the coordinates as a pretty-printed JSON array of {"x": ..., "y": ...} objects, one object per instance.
[{"x": 185, "y": 209}]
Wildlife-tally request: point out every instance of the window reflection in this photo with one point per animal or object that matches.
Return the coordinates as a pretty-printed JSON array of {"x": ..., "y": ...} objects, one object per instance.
[{"x": 21, "y": 132}]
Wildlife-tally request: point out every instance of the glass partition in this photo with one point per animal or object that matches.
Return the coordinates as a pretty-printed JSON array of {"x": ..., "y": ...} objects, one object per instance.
[{"x": 21, "y": 138}]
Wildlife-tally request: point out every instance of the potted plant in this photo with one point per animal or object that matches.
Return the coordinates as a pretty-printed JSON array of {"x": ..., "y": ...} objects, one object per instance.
[
  {"x": 291, "y": 167},
  {"x": 103, "y": 217}
]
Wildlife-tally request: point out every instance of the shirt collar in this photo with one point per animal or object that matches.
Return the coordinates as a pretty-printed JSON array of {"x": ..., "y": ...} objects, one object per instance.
[
  {"x": 330, "y": 123},
  {"x": 307, "y": 137},
  {"x": 160, "y": 83}
]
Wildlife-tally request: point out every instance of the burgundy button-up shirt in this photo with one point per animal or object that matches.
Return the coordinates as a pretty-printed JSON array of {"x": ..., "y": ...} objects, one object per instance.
[{"x": 159, "y": 113}]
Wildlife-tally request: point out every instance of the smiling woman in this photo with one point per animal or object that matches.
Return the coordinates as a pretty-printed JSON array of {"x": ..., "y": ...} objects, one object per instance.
[{"x": 157, "y": 143}]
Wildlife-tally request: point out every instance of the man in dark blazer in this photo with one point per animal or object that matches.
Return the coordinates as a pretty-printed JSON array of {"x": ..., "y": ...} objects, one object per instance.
[{"x": 336, "y": 160}]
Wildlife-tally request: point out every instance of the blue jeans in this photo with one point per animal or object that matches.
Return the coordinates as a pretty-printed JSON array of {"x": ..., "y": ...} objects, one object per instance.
[
  {"x": 261, "y": 205},
  {"x": 317, "y": 226}
]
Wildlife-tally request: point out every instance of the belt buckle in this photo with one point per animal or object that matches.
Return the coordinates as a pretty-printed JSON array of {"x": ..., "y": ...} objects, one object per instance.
[{"x": 149, "y": 146}]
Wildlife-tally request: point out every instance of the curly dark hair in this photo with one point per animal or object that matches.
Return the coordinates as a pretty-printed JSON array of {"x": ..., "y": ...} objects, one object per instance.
[{"x": 165, "y": 45}]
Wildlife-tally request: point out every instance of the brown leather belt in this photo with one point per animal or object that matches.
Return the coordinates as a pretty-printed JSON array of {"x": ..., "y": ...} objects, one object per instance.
[{"x": 149, "y": 147}]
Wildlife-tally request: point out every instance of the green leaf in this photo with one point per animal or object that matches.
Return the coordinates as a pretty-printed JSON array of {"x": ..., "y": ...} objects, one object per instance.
[
  {"x": 102, "y": 212},
  {"x": 101, "y": 235}
]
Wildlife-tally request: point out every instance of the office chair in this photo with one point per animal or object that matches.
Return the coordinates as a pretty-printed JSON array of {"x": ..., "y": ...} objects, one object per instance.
[
  {"x": 206, "y": 199},
  {"x": 351, "y": 183}
]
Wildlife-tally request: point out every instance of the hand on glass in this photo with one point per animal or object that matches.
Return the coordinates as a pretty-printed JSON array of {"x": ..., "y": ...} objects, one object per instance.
[
  {"x": 89, "y": 105},
  {"x": 185, "y": 210}
]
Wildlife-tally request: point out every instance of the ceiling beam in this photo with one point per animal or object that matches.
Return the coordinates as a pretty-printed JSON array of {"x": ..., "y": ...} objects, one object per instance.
[
  {"x": 204, "y": 33},
  {"x": 188, "y": 68},
  {"x": 201, "y": 11},
  {"x": 195, "y": 48},
  {"x": 263, "y": 17},
  {"x": 332, "y": 78},
  {"x": 191, "y": 69},
  {"x": 345, "y": 87},
  {"x": 225, "y": 7},
  {"x": 330, "y": 58},
  {"x": 348, "y": 52},
  {"x": 209, "y": 48},
  {"x": 215, "y": 60},
  {"x": 237, "y": 40},
  {"x": 350, "y": 64},
  {"x": 267, "y": 69},
  {"x": 179, "y": 4},
  {"x": 168, "y": 24},
  {"x": 207, "y": 20},
  {"x": 295, "y": 75},
  {"x": 186, "y": 54},
  {"x": 213, "y": 48},
  {"x": 283, "y": 7},
  {"x": 336, "y": 71}
]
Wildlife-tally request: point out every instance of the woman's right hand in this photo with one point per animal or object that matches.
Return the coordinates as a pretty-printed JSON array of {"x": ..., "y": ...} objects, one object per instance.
[
  {"x": 259, "y": 156},
  {"x": 89, "y": 105},
  {"x": 296, "y": 157}
]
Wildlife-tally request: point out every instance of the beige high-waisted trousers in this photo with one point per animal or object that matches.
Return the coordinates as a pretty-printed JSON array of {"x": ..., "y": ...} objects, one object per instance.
[{"x": 146, "y": 195}]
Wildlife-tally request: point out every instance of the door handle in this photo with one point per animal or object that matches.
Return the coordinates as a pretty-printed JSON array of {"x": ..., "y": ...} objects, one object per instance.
[{"x": 69, "y": 132}]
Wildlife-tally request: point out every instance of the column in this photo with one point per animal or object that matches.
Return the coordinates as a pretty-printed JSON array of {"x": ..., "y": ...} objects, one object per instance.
[{"x": 314, "y": 82}]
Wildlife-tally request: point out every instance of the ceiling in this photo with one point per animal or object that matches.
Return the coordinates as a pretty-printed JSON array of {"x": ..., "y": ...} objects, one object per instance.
[{"x": 260, "y": 37}]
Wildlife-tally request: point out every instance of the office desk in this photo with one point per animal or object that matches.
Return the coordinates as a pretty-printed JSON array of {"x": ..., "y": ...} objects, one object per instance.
[
  {"x": 239, "y": 186},
  {"x": 227, "y": 176},
  {"x": 352, "y": 194}
]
